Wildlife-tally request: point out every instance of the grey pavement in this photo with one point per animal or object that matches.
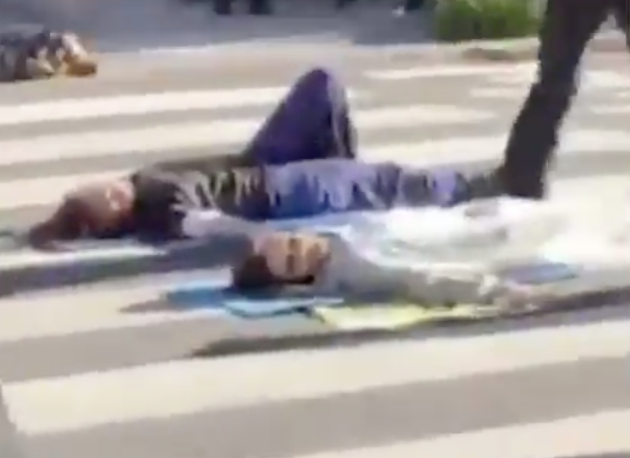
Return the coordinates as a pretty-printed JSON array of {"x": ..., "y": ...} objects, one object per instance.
[
  {"x": 95, "y": 363},
  {"x": 299, "y": 28},
  {"x": 118, "y": 25}
]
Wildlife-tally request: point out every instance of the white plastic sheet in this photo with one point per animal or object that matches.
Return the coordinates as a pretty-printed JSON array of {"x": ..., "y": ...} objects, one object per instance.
[{"x": 474, "y": 235}]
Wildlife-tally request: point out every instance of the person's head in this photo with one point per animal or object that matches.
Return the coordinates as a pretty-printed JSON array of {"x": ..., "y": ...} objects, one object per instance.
[
  {"x": 71, "y": 55},
  {"x": 281, "y": 259},
  {"x": 91, "y": 211}
]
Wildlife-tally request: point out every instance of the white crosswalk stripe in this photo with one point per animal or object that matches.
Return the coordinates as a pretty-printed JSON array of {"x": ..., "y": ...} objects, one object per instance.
[{"x": 95, "y": 363}]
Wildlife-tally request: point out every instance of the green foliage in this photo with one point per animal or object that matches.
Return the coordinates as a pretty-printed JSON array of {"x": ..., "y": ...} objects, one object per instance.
[{"x": 460, "y": 20}]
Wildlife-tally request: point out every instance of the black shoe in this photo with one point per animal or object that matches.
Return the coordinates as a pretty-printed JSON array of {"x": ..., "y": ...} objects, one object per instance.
[
  {"x": 341, "y": 4},
  {"x": 480, "y": 186},
  {"x": 260, "y": 8},
  {"x": 411, "y": 6},
  {"x": 522, "y": 185},
  {"x": 535, "y": 191}
]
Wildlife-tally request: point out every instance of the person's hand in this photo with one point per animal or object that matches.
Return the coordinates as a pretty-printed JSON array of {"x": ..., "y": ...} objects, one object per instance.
[
  {"x": 44, "y": 234},
  {"x": 39, "y": 68},
  {"x": 511, "y": 297},
  {"x": 40, "y": 236}
]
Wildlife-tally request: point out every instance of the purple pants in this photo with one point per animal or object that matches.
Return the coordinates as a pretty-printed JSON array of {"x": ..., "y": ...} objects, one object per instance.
[{"x": 311, "y": 122}]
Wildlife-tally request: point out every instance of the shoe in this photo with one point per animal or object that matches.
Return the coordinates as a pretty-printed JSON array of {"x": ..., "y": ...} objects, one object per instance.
[
  {"x": 408, "y": 7},
  {"x": 260, "y": 8},
  {"x": 411, "y": 6},
  {"x": 480, "y": 186},
  {"x": 341, "y": 4},
  {"x": 521, "y": 186}
]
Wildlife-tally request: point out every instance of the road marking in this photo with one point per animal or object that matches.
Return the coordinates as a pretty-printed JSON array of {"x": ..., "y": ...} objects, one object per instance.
[
  {"x": 463, "y": 149},
  {"x": 77, "y": 311},
  {"x": 443, "y": 71},
  {"x": 580, "y": 436},
  {"x": 99, "y": 107},
  {"x": 207, "y": 134},
  {"x": 54, "y": 405}
]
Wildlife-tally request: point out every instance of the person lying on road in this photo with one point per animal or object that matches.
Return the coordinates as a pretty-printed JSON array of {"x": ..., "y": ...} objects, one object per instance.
[
  {"x": 311, "y": 122},
  {"x": 32, "y": 53},
  {"x": 299, "y": 165},
  {"x": 328, "y": 265},
  {"x": 161, "y": 204}
]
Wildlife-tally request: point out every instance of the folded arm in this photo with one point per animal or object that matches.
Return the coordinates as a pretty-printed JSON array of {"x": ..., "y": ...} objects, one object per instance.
[
  {"x": 36, "y": 68},
  {"x": 354, "y": 275},
  {"x": 463, "y": 287},
  {"x": 215, "y": 224}
]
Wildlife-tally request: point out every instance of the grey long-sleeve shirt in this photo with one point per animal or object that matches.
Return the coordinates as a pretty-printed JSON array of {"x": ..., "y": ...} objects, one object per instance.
[{"x": 349, "y": 273}]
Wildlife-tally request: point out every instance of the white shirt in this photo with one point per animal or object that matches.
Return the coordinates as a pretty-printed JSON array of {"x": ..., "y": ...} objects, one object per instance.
[{"x": 428, "y": 258}]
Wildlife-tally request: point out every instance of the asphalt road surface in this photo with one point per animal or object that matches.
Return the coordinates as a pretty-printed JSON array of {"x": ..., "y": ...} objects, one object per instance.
[{"x": 94, "y": 363}]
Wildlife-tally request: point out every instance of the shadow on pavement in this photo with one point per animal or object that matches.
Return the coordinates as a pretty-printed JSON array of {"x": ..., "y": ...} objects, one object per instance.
[
  {"x": 325, "y": 338},
  {"x": 31, "y": 279}
]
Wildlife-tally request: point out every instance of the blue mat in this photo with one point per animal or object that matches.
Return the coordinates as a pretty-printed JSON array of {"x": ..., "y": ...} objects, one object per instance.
[{"x": 219, "y": 296}]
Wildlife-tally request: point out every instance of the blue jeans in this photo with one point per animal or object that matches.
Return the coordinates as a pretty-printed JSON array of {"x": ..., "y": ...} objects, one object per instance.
[
  {"x": 311, "y": 122},
  {"x": 305, "y": 189}
]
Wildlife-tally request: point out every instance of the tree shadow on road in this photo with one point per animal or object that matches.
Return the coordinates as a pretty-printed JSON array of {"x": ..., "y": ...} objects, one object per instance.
[{"x": 321, "y": 337}]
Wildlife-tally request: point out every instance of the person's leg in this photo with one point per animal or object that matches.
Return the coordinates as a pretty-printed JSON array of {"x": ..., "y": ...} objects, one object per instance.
[
  {"x": 223, "y": 7},
  {"x": 410, "y": 6},
  {"x": 312, "y": 122},
  {"x": 622, "y": 17},
  {"x": 341, "y": 4},
  {"x": 567, "y": 28},
  {"x": 260, "y": 7},
  {"x": 443, "y": 187}
]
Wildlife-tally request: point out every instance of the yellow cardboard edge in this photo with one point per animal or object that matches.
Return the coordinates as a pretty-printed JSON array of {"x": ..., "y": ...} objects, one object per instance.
[{"x": 397, "y": 316}]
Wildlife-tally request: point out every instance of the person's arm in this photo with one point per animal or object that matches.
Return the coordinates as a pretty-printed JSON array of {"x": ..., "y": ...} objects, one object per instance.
[
  {"x": 455, "y": 287},
  {"x": 210, "y": 223},
  {"x": 355, "y": 276},
  {"x": 36, "y": 68}
]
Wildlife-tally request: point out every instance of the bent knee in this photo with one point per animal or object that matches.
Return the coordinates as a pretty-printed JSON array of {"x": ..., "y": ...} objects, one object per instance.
[{"x": 317, "y": 79}]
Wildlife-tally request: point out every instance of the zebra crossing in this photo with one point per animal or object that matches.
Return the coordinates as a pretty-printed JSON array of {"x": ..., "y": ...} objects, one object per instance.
[{"x": 95, "y": 363}]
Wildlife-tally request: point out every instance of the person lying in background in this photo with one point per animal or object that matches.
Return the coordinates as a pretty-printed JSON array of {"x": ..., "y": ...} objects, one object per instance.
[
  {"x": 33, "y": 53},
  {"x": 328, "y": 265},
  {"x": 298, "y": 166}
]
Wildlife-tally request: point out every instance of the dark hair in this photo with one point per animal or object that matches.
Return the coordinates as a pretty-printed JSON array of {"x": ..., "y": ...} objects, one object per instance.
[{"x": 253, "y": 274}]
